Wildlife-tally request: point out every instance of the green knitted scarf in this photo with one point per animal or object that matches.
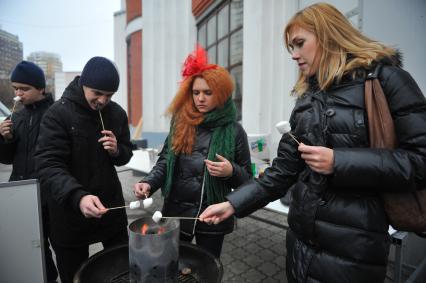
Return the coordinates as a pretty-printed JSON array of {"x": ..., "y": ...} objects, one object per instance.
[{"x": 222, "y": 142}]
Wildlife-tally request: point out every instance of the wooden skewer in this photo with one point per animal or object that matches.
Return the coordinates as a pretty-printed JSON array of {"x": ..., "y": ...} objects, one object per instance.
[
  {"x": 117, "y": 207},
  {"x": 293, "y": 137},
  {"x": 13, "y": 110},
  {"x": 102, "y": 121},
  {"x": 124, "y": 206},
  {"x": 177, "y": 217}
]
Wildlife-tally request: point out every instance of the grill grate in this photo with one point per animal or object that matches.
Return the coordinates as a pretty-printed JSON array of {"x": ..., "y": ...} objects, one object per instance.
[
  {"x": 187, "y": 279},
  {"x": 121, "y": 278},
  {"x": 125, "y": 278}
]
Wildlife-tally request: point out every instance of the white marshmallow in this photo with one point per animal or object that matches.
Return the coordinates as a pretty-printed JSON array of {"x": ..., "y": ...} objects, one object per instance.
[
  {"x": 134, "y": 204},
  {"x": 147, "y": 202},
  {"x": 17, "y": 98},
  {"x": 283, "y": 127},
  {"x": 157, "y": 216}
]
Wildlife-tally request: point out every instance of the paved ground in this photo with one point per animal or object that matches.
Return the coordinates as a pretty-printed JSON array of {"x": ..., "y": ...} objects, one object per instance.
[{"x": 254, "y": 252}]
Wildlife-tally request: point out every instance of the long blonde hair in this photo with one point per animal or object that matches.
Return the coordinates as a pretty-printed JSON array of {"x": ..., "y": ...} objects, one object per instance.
[{"x": 337, "y": 38}]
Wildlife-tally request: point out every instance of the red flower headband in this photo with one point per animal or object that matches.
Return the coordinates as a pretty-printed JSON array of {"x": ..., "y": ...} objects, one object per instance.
[{"x": 196, "y": 63}]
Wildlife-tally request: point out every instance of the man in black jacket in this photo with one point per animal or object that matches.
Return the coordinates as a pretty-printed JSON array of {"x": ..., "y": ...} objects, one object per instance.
[
  {"x": 82, "y": 137},
  {"x": 18, "y": 136}
]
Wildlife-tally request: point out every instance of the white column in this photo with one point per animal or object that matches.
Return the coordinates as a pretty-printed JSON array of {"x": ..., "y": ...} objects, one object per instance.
[
  {"x": 168, "y": 36},
  {"x": 120, "y": 57},
  {"x": 268, "y": 71},
  {"x": 59, "y": 84}
]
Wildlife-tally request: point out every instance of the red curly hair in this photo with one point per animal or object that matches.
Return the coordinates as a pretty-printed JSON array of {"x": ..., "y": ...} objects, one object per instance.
[{"x": 185, "y": 114}]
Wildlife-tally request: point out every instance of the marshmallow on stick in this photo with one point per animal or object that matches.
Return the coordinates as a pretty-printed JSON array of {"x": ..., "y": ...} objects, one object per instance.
[
  {"x": 157, "y": 216},
  {"x": 132, "y": 205},
  {"x": 15, "y": 99},
  {"x": 284, "y": 127},
  {"x": 147, "y": 202},
  {"x": 136, "y": 204}
]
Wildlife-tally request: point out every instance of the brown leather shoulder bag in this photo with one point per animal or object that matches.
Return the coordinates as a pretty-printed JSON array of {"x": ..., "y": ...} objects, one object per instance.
[{"x": 406, "y": 211}]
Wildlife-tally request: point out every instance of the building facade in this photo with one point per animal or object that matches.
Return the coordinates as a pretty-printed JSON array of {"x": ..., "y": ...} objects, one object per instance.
[
  {"x": 246, "y": 36},
  {"x": 149, "y": 69},
  {"x": 11, "y": 51},
  {"x": 120, "y": 56},
  {"x": 134, "y": 60},
  {"x": 50, "y": 63},
  {"x": 62, "y": 80}
]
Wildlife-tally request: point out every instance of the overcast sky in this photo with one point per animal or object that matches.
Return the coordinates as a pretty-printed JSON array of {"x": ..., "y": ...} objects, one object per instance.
[{"x": 76, "y": 29}]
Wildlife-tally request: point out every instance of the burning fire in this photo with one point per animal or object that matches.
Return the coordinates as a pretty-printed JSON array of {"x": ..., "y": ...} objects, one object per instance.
[{"x": 144, "y": 230}]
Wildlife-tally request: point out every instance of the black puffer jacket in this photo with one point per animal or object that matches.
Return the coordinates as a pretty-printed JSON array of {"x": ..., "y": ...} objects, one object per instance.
[
  {"x": 72, "y": 163},
  {"x": 338, "y": 227},
  {"x": 20, "y": 150},
  {"x": 185, "y": 195}
]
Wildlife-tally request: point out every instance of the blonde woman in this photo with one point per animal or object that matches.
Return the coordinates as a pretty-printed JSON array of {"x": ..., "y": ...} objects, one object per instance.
[{"x": 338, "y": 227}]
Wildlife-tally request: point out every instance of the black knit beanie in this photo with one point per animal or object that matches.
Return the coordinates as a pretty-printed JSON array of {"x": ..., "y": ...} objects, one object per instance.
[
  {"x": 28, "y": 73},
  {"x": 100, "y": 73}
]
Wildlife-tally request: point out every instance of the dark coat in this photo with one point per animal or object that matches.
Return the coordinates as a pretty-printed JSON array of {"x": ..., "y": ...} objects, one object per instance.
[
  {"x": 338, "y": 227},
  {"x": 20, "y": 150},
  {"x": 186, "y": 193},
  {"x": 72, "y": 163}
]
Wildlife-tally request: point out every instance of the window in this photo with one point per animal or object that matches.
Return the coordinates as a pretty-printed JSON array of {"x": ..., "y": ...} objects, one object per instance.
[{"x": 221, "y": 34}]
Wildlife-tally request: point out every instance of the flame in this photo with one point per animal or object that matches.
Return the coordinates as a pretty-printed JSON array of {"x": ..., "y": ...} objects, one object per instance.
[
  {"x": 161, "y": 230},
  {"x": 144, "y": 229}
]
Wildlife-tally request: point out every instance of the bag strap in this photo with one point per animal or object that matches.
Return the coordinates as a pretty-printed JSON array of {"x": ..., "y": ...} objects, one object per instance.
[
  {"x": 381, "y": 128},
  {"x": 380, "y": 123}
]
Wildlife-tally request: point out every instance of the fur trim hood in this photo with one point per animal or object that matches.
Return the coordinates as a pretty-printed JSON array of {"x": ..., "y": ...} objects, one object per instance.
[{"x": 394, "y": 60}]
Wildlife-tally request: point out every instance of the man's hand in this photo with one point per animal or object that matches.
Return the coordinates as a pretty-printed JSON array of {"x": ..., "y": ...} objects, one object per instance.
[
  {"x": 320, "y": 159},
  {"x": 109, "y": 142},
  {"x": 216, "y": 213},
  {"x": 91, "y": 206},
  {"x": 6, "y": 129},
  {"x": 223, "y": 168},
  {"x": 142, "y": 190}
]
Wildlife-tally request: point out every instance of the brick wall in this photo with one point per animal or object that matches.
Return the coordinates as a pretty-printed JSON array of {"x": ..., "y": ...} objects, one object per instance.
[
  {"x": 199, "y": 6},
  {"x": 134, "y": 9},
  {"x": 134, "y": 71}
]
